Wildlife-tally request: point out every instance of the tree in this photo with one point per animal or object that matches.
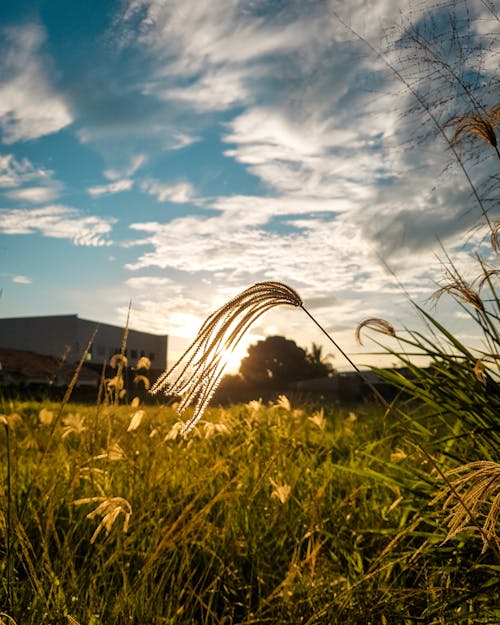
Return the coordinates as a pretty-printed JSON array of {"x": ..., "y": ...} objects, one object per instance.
[{"x": 277, "y": 360}]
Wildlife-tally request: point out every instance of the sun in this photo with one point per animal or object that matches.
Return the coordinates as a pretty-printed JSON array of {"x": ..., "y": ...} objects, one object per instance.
[{"x": 234, "y": 360}]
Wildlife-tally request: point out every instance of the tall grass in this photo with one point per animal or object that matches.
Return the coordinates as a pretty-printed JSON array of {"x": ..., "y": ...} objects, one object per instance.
[{"x": 265, "y": 514}]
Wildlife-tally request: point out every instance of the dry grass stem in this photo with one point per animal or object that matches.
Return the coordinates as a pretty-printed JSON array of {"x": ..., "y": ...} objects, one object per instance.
[
  {"x": 196, "y": 375},
  {"x": 479, "y": 489},
  {"x": 378, "y": 324}
]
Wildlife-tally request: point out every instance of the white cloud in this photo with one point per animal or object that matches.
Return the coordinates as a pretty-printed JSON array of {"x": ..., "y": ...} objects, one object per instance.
[
  {"x": 178, "y": 192},
  {"x": 210, "y": 33},
  {"x": 35, "y": 195},
  {"x": 216, "y": 90},
  {"x": 59, "y": 222},
  {"x": 118, "y": 186},
  {"x": 148, "y": 282},
  {"x": 30, "y": 106},
  {"x": 14, "y": 173},
  {"x": 21, "y": 280},
  {"x": 25, "y": 182}
]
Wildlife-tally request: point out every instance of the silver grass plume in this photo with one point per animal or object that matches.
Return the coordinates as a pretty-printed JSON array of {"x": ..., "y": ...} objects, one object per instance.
[
  {"x": 198, "y": 372},
  {"x": 478, "y": 487},
  {"x": 378, "y": 324}
]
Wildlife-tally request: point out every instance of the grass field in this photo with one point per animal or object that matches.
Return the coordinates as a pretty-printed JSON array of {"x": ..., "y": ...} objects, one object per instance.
[{"x": 263, "y": 514}]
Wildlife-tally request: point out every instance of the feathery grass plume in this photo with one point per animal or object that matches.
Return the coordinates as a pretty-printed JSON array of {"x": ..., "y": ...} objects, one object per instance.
[
  {"x": 280, "y": 491},
  {"x": 494, "y": 236},
  {"x": 109, "y": 509},
  {"x": 318, "y": 418},
  {"x": 136, "y": 420},
  {"x": 116, "y": 359},
  {"x": 482, "y": 126},
  {"x": 488, "y": 274},
  {"x": 462, "y": 291},
  {"x": 143, "y": 379},
  {"x": 196, "y": 375},
  {"x": 74, "y": 423},
  {"x": 143, "y": 363},
  {"x": 46, "y": 416},
  {"x": 479, "y": 488},
  {"x": 379, "y": 324},
  {"x": 479, "y": 370}
]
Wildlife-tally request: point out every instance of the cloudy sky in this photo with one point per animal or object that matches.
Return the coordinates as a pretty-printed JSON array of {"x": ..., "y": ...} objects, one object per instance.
[{"x": 173, "y": 152}]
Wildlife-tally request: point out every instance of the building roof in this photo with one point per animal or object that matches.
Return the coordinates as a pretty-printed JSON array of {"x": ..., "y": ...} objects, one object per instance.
[{"x": 19, "y": 366}]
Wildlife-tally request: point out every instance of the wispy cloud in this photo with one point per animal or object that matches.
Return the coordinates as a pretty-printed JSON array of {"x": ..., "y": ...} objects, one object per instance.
[
  {"x": 59, "y": 222},
  {"x": 135, "y": 163},
  {"x": 117, "y": 186},
  {"x": 146, "y": 282},
  {"x": 26, "y": 183},
  {"x": 177, "y": 192},
  {"x": 14, "y": 173},
  {"x": 35, "y": 195},
  {"x": 30, "y": 105},
  {"x": 21, "y": 280}
]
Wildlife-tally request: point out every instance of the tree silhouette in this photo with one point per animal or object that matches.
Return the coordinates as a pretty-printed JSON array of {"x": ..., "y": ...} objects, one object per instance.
[{"x": 277, "y": 360}]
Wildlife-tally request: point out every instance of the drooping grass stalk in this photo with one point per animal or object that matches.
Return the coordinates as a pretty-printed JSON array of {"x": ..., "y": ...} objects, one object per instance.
[{"x": 197, "y": 373}]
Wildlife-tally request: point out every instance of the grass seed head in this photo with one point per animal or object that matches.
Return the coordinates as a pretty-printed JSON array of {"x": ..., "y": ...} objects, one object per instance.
[
  {"x": 462, "y": 291},
  {"x": 117, "y": 359},
  {"x": 74, "y": 423},
  {"x": 482, "y": 126},
  {"x": 375, "y": 323},
  {"x": 478, "y": 485},
  {"x": 109, "y": 509},
  {"x": 495, "y": 231},
  {"x": 197, "y": 374},
  {"x": 135, "y": 421}
]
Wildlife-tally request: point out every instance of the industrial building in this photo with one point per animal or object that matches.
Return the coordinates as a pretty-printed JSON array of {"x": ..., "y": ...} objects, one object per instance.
[{"x": 66, "y": 336}]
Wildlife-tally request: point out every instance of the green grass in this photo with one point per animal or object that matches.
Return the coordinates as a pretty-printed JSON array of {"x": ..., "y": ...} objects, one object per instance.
[{"x": 267, "y": 519}]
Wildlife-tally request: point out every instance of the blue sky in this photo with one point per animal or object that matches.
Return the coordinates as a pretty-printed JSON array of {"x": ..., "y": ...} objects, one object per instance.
[{"x": 173, "y": 152}]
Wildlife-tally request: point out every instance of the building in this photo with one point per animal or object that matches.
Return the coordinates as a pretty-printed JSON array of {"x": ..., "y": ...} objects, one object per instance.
[{"x": 66, "y": 336}]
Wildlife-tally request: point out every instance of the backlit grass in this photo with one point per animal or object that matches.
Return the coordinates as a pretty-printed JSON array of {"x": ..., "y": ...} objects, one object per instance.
[{"x": 264, "y": 514}]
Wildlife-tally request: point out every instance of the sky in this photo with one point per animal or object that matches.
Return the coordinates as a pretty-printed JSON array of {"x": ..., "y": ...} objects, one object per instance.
[{"x": 171, "y": 153}]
